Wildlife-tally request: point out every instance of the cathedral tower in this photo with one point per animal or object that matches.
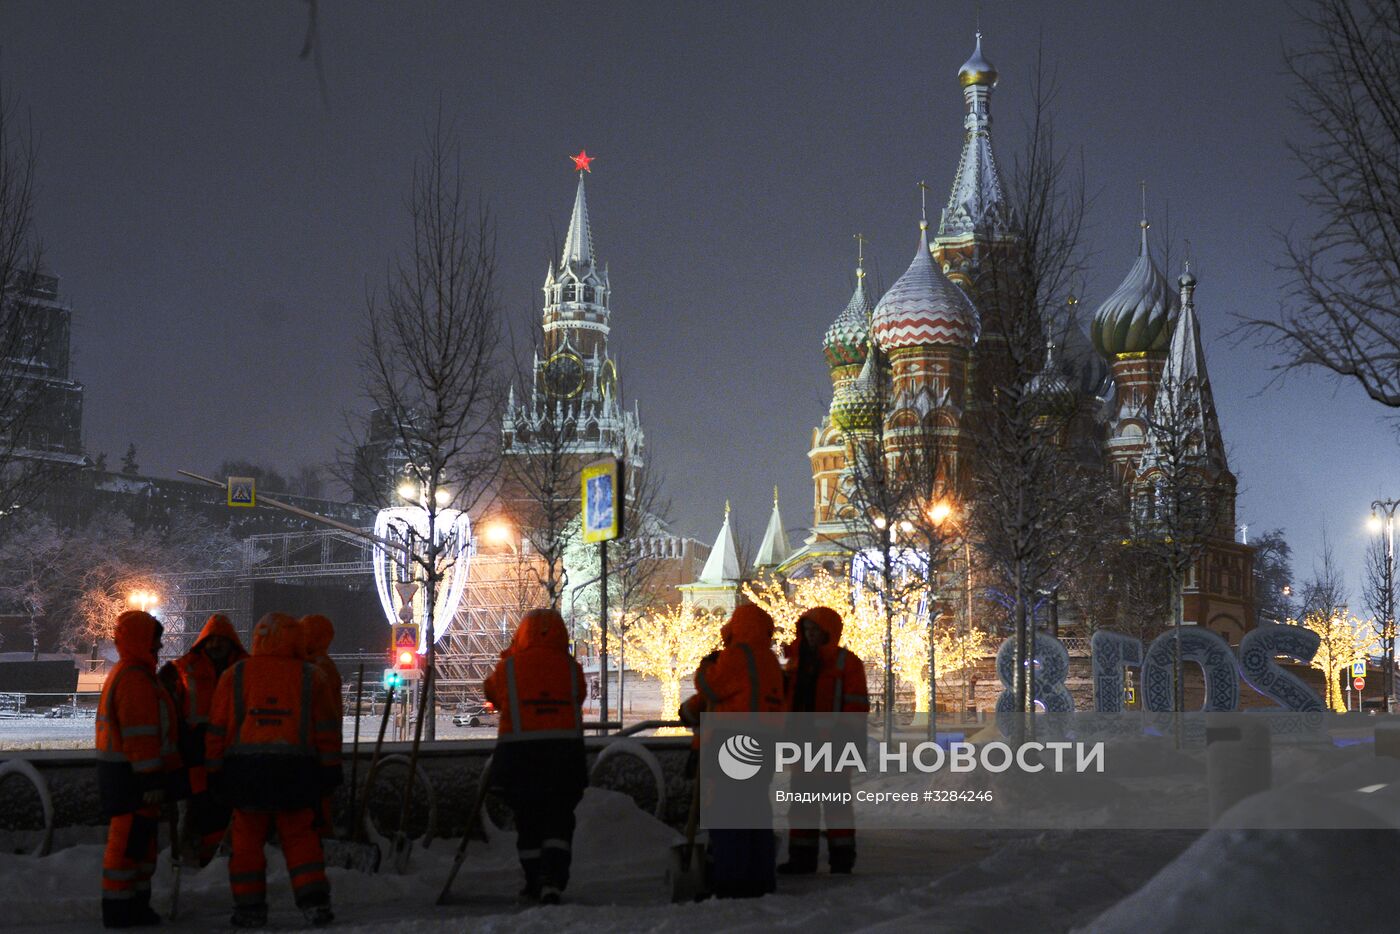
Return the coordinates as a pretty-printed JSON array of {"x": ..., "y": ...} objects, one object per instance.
[{"x": 574, "y": 381}]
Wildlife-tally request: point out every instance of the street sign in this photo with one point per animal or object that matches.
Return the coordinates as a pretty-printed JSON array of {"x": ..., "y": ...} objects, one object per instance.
[
  {"x": 603, "y": 499},
  {"x": 1358, "y": 669},
  {"x": 242, "y": 491},
  {"x": 406, "y": 636},
  {"x": 1358, "y": 683}
]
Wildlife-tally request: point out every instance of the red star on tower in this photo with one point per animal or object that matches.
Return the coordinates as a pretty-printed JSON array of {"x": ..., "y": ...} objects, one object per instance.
[{"x": 582, "y": 161}]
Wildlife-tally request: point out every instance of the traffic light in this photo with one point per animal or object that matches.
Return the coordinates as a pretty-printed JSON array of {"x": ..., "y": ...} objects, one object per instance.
[
  {"x": 406, "y": 660},
  {"x": 392, "y": 680}
]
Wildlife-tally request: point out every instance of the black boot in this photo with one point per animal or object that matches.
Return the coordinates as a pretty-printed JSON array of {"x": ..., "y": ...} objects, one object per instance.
[
  {"x": 842, "y": 859},
  {"x": 801, "y": 861},
  {"x": 249, "y": 916},
  {"x": 116, "y": 913},
  {"x": 142, "y": 914}
]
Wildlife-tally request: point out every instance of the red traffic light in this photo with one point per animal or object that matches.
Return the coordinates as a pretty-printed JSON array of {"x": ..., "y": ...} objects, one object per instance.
[{"x": 406, "y": 659}]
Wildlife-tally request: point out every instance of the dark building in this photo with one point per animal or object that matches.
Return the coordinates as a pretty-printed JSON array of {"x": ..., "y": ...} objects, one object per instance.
[{"x": 41, "y": 389}]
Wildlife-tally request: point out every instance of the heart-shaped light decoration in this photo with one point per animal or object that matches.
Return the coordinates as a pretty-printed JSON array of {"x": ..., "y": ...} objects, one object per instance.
[{"x": 407, "y": 527}]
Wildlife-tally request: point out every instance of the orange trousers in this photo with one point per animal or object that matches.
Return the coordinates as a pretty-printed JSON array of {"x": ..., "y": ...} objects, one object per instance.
[
  {"x": 130, "y": 857},
  {"x": 301, "y": 847}
]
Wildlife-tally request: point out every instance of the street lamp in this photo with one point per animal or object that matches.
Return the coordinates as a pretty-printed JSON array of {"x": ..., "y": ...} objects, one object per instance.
[
  {"x": 1383, "y": 519},
  {"x": 143, "y": 600},
  {"x": 499, "y": 533}
]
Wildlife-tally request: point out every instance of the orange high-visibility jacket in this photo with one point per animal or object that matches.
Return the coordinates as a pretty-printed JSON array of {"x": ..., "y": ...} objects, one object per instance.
[
  {"x": 198, "y": 679},
  {"x": 746, "y": 676},
  {"x": 274, "y": 732},
  {"x": 537, "y": 686},
  {"x": 840, "y": 679},
  {"x": 136, "y": 721},
  {"x": 320, "y": 632}
]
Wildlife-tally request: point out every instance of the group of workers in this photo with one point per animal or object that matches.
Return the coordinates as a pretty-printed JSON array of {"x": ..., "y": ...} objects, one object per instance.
[
  {"x": 253, "y": 742},
  {"x": 745, "y": 676}
]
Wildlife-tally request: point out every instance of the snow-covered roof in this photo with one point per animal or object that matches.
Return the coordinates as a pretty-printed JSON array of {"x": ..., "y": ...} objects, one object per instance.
[
  {"x": 775, "y": 548},
  {"x": 723, "y": 563},
  {"x": 924, "y": 307}
]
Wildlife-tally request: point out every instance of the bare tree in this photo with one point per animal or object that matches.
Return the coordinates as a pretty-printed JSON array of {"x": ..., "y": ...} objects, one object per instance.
[
  {"x": 1182, "y": 487},
  {"x": 1325, "y": 592},
  {"x": 1378, "y": 590},
  {"x": 1344, "y": 314},
  {"x": 542, "y": 460},
  {"x": 1024, "y": 481},
  {"x": 880, "y": 499},
  {"x": 431, "y": 360},
  {"x": 1273, "y": 577},
  {"x": 25, "y": 324}
]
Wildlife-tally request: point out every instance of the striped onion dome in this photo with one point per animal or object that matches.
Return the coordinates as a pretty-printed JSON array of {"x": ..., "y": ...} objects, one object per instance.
[
  {"x": 846, "y": 339},
  {"x": 924, "y": 307},
  {"x": 1137, "y": 317}
]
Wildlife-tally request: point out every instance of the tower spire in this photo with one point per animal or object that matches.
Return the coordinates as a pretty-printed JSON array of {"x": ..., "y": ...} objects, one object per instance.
[
  {"x": 976, "y": 204},
  {"x": 578, "y": 243},
  {"x": 923, "y": 204},
  {"x": 1142, "y": 250}
]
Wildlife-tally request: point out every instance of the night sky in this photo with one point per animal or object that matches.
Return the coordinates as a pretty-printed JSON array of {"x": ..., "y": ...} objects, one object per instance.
[{"x": 216, "y": 226}]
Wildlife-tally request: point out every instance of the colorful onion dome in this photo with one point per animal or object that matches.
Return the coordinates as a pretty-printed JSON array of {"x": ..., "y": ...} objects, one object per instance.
[
  {"x": 1137, "y": 317},
  {"x": 1050, "y": 385},
  {"x": 856, "y": 404},
  {"x": 977, "y": 70},
  {"x": 846, "y": 339},
  {"x": 924, "y": 307}
]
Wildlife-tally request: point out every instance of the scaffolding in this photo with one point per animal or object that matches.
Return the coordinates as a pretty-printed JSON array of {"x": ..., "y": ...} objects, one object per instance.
[{"x": 499, "y": 589}]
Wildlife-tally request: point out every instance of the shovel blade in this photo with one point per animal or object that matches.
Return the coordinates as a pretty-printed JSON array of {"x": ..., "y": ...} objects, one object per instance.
[
  {"x": 360, "y": 857},
  {"x": 685, "y": 873}
]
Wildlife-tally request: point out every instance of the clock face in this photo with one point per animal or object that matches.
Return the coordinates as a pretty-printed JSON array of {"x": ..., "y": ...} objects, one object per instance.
[
  {"x": 563, "y": 375},
  {"x": 607, "y": 380}
]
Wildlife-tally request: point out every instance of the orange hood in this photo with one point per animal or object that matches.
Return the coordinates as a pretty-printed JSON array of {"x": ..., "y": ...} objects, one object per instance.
[
  {"x": 829, "y": 621},
  {"x": 221, "y": 625},
  {"x": 279, "y": 634},
  {"x": 320, "y": 631},
  {"x": 541, "y": 629},
  {"x": 751, "y": 625},
  {"x": 135, "y": 633}
]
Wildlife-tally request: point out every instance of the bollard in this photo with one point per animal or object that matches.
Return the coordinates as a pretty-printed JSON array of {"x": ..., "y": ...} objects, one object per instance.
[
  {"x": 1238, "y": 763},
  {"x": 1388, "y": 740}
]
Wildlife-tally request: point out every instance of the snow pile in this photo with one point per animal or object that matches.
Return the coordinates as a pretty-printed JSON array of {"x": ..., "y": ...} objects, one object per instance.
[{"x": 1283, "y": 879}]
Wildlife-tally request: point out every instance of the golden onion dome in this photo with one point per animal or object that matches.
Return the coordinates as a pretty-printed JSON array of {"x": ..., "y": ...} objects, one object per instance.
[{"x": 977, "y": 70}]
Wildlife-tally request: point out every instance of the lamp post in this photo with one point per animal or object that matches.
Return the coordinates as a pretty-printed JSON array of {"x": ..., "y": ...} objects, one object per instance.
[
  {"x": 143, "y": 600},
  {"x": 1383, "y": 519}
]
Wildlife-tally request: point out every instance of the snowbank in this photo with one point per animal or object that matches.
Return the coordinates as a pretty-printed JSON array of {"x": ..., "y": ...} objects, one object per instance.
[{"x": 1287, "y": 879}]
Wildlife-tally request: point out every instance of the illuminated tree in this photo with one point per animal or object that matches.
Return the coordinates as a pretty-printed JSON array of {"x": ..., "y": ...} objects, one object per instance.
[
  {"x": 668, "y": 644},
  {"x": 864, "y": 619},
  {"x": 1343, "y": 639}
]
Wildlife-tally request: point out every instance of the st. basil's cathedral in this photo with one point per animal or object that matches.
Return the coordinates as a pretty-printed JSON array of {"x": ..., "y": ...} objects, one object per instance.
[{"x": 1143, "y": 340}]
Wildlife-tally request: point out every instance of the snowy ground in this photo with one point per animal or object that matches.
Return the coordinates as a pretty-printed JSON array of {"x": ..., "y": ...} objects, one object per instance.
[{"x": 1114, "y": 882}]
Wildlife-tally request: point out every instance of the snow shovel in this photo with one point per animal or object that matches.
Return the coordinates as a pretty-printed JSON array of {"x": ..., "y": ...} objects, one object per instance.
[
  {"x": 402, "y": 846},
  {"x": 445, "y": 896},
  {"x": 354, "y": 853},
  {"x": 685, "y": 872},
  {"x": 173, "y": 818}
]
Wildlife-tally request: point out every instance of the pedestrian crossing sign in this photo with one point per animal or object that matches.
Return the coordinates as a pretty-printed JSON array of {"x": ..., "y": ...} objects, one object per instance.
[
  {"x": 242, "y": 491},
  {"x": 405, "y": 636},
  {"x": 1358, "y": 669},
  {"x": 602, "y": 501}
]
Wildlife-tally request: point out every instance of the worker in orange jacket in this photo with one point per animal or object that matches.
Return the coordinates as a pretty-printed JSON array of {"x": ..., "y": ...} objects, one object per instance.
[
  {"x": 744, "y": 678},
  {"x": 274, "y": 752},
  {"x": 193, "y": 678},
  {"x": 137, "y": 760},
  {"x": 822, "y": 676},
  {"x": 320, "y": 632},
  {"x": 538, "y": 690}
]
